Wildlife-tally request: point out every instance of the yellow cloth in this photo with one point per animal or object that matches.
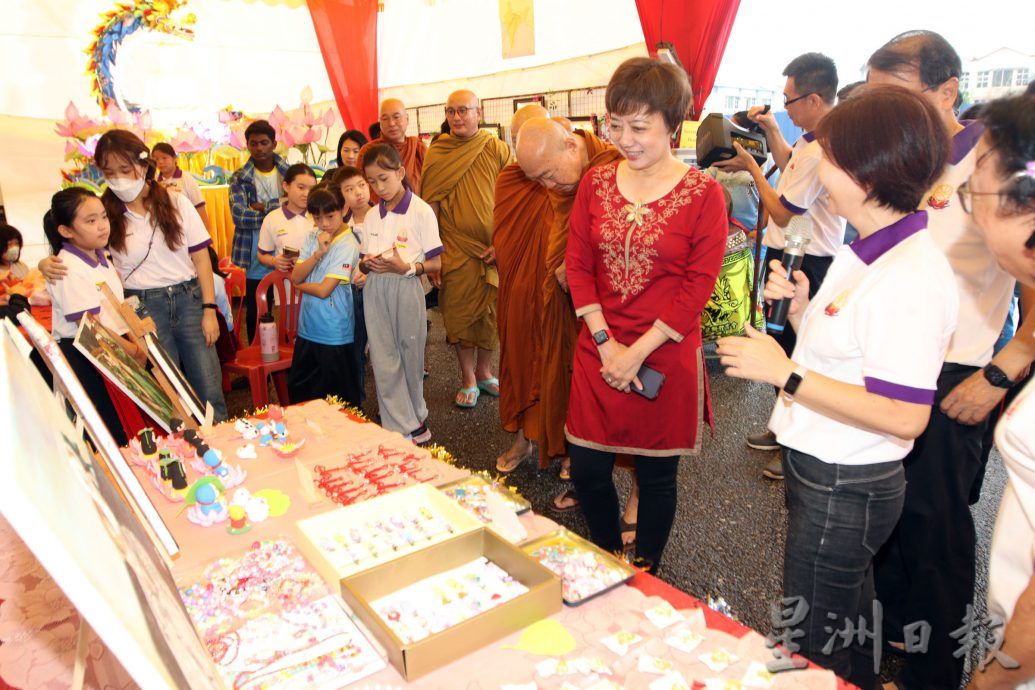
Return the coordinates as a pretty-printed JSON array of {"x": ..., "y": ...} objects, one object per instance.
[
  {"x": 460, "y": 175},
  {"x": 220, "y": 222}
]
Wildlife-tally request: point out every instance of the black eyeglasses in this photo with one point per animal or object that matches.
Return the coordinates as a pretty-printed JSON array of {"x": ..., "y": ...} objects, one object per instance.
[
  {"x": 795, "y": 100},
  {"x": 461, "y": 111},
  {"x": 964, "y": 193}
]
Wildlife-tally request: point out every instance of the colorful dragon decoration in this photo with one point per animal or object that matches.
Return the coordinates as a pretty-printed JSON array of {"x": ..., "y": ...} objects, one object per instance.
[{"x": 115, "y": 26}]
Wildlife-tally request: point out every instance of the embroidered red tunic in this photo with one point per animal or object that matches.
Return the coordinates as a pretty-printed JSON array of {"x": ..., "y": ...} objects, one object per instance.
[{"x": 643, "y": 265}]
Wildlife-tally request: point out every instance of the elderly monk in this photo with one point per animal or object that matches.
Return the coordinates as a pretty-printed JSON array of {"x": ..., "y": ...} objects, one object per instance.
[
  {"x": 557, "y": 158},
  {"x": 521, "y": 222},
  {"x": 459, "y": 183},
  {"x": 394, "y": 120}
]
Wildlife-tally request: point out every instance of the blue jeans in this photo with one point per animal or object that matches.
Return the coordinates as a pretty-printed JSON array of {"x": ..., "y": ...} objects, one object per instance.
[
  {"x": 177, "y": 312},
  {"x": 838, "y": 518}
]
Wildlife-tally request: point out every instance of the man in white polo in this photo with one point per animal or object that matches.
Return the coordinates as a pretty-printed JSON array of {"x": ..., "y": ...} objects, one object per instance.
[{"x": 808, "y": 95}]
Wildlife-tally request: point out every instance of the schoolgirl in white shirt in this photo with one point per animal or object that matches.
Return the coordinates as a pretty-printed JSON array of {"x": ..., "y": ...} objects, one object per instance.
[
  {"x": 860, "y": 383},
  {"x": 173, "y": 178},
  {"x": 77, "y": 229},
  {"x": 288, "y": 226}
]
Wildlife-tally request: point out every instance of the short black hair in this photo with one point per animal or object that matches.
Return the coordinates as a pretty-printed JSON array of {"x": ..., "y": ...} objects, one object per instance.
[
  {"x": 847, "y": 91},
  {"x": 349, "y": 135},
  {"x": 814, "y": 73},
  {"x": 164, "y": 147},
  {"x": 904, "y": 123},
  {"x": 258, "y": 128},
  {"x": 325, "y": 200},
  {"x": 933, "y": 58},
  {"x": 297, "y": 169},
  {"x": 644, "y": 83},
  {"x": 374, "y": 130},
  {"x": 1010, "y": 132},
  {"x": 8, "y": 233}
]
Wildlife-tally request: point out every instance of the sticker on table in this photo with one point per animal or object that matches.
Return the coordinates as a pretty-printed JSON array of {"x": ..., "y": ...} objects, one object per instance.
[
  {"x": 758, "y": 676},
  {"x": 621, "y": 641},
  {"x": 718, "y": 659},
  {"x": 683, "y": 639},
  {"x": 663, "y": 615},
  {"x": 670, "y": 681},
  {"x": 654, "y": 664}
]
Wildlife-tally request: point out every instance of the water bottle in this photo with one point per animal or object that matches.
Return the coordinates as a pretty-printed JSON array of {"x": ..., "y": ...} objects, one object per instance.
[{"x": 268, "y": 338}]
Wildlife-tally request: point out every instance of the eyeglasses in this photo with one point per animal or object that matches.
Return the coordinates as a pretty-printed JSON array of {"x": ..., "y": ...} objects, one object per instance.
[
  {"x": 795, "y": 100},
  {"x": 964, "y": 193},
  {"x": 461, "y": 111}
]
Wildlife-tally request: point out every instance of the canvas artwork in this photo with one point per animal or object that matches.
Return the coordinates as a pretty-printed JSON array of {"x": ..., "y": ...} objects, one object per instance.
[
  {"x": 190, "y": 400},
  {"x": 103, "y": 349}
]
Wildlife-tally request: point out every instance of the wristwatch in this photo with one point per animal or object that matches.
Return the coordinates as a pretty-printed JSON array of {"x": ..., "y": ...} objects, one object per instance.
[
  {"x": 997, "y": 377},
  {"x": 601, "y": 337},
  {"x": 793, "y": 381}
]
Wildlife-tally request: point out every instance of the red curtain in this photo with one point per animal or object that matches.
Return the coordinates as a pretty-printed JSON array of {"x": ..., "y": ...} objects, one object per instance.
[
  {"x": 347, "y": 32},
  {"x": 699, "y": 31}
]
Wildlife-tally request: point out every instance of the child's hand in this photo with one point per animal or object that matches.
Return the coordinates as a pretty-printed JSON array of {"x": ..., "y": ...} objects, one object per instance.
[
  {"x": 323, "y": 241},
  {"x": 283, "y": 263},
  {"x": 359, "y": 278},
  {"x": 53, "y": 268}
]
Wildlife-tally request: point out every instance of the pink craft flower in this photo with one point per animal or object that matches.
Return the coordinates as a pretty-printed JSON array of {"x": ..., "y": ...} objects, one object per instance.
[
  {"x": 277, "y": 117},
  {"x": 188, "y": 141},
  {"x": 237, "y": 139},
  {"x": 87, "y": 148},
  {"x": 75, "y": 124}
]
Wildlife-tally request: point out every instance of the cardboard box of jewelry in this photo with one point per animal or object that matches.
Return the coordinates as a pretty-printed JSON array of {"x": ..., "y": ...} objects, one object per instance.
[
  {"x": 486, "y": 584},
  {"x": 351, "y": 539}
]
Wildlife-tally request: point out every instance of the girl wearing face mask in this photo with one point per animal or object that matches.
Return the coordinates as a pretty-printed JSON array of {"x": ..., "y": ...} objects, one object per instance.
[
  {"x": 158, "y": 245},
  {"x": 10, "y": 253}
]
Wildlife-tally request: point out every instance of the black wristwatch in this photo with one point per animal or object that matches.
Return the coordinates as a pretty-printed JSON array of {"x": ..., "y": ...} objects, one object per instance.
[
  {"x": 209, "y": 305},
  {"x": 997, "y": 377},
  {"x": 601, "y": 337},
  {"x": 793, "y": 381}
]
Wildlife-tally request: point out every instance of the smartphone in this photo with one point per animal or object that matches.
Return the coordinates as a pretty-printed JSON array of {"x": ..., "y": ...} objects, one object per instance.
[
  {"x": 290, "y": 253},
  {"x": 651, "y": 379}
]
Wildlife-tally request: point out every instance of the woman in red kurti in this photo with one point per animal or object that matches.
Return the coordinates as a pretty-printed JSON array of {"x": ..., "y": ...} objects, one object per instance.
[{"x": 645, "y": 244}]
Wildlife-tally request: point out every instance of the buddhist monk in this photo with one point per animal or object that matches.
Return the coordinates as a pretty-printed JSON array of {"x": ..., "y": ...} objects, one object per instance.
[
  {"x": 556, "y": 157},
  {"x": 394, "y": 120},
  {"x": 521, "y": 221},
  {"x": 459, "y": 183}
]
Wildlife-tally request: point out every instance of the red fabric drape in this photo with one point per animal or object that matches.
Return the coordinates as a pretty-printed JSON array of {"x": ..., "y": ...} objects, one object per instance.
[
  {"x": 347, "y": 33},
  {"x": 699, "y": 31}
]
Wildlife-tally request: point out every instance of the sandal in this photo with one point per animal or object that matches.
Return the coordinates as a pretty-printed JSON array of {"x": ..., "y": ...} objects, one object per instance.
[
  {"x": 465, "y": 394},
  {"x": 625, "y": 528},
  {"x": 564, "y": 474},
  {"x": 490, "y": 387},
  {"x": 566, "y": 495},
  {"x": 509, "y": 464}
]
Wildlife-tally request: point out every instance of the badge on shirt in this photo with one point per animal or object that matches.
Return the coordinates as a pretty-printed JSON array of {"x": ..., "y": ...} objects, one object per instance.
[
  {"x": 940, "y": 196},
  {"x": 835, "y": 306}
]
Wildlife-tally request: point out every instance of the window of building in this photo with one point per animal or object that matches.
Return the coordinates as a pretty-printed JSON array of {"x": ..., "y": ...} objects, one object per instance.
[
  {"x": 1002, "y": 77},
  {"x": 965, "y": 81},
  {"x": 1022, "y": 77},
  {"x": 733, "y": 103},
  {"x": 982, "y": 79}
]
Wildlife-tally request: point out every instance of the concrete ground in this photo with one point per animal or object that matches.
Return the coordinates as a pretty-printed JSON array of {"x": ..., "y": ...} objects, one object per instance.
[{"x": 731, "y": 523}]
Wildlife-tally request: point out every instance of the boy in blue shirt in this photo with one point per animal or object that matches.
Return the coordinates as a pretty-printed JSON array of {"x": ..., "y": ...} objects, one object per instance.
[
  {"x": 255, "y": 190},
  {"x": 326, "y": 361}
]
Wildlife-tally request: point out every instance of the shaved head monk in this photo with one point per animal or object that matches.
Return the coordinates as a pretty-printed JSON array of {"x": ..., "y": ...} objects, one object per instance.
[
  {"x": 557, "y": 158},
  {"x": 460, "y": 185},
  {"x": 521, "y": 224},
  {"x": 394, "y": 121}
]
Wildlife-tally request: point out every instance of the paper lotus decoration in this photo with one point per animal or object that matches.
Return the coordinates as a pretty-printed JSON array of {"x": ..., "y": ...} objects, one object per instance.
[{"x": 303, "y": 128}]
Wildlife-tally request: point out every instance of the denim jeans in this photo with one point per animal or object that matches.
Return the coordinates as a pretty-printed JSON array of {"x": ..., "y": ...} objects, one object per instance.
[
  {"x": 177, "y": 312},
  {"x": 838, "y": 518}
]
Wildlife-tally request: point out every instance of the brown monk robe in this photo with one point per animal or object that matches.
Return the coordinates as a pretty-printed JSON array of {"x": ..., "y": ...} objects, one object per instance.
[
  {"x": 394, "y": 120},
  {"x": 521, "y": 220},
  {"x": 560, "y": 171},
  {"x": 459, "y": 183}
]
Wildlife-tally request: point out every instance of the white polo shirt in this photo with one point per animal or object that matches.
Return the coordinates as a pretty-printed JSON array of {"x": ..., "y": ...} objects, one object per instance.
[
  {"x": 411, "y": 226},
  {"x": 147, "y": 261},
  {"x": 185, "y": 185},
  {"x": 802, "y": 193},
  {"x": 1012, "y": 561},
  {"x": 282, "y": 228},
  {"x": 985, "y": 289},
  {"x": 79, "y": 292},
  {"x": 882, "y": 319}
]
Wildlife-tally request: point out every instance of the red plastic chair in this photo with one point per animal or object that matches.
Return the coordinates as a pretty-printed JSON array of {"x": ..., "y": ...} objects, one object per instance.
[
  {"x": 236, "y": 288},
  {"x": 249, "y": 360},
  {"x": 225, "y": 264}
]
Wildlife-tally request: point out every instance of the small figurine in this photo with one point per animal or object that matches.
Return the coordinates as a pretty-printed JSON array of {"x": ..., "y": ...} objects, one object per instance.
[
  {"x": 214, "y": 461},
  {"x": 246, "y": 429},
  {"x": 238, "y": 520},
  {"x": 176, "y": 426},
  {"x": 205, "y": 502},
  {"x": 172, "y": 470},
  {"x": 148, "y": 446},
  {"x": 247, "y": 452}
]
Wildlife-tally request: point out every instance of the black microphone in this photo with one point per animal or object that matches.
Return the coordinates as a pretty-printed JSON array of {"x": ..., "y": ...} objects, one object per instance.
[{"x": 796, "y": 239}]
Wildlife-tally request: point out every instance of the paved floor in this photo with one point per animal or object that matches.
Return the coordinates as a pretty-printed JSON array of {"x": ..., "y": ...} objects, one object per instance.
[{"x": 729, "y": 532}]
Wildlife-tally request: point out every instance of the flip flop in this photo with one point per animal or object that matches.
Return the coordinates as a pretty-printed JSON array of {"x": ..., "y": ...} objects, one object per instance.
[
  {"x": 625, "y": 528},
  {"x": 566, "y": 494},
  {"x": 466, "y": 392},
  {"x": 486, "y": 386},
  {"x": 520, "y": 461}
]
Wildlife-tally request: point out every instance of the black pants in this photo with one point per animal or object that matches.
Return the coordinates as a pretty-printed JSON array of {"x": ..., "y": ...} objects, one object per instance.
[
  {"x": 321, "y": 370},
  {"x": 251, "y": 312},
  {"x": 91, "y": 381},
  {"x": 591, "y": 472},
  {"x": 815, "y": 269},
  {"x": 926, "y": 570}
]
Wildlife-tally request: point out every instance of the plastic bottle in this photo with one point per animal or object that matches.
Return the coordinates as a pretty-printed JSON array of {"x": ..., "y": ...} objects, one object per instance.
[{"x": 268, "y": 338}]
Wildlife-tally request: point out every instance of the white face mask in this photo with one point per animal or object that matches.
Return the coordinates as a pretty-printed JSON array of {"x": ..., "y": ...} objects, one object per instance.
[
  {"x": 126, "y": 189},
  {"x": 12, "y": 254}
]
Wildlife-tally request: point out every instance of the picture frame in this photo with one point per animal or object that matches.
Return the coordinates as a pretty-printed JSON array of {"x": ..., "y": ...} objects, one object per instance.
[
  {"x": 496, "y": 129},
  {"x": 189, "y": 399},
  {"x": 103, "y": 349},
  {"x": 521, "y": 102}
]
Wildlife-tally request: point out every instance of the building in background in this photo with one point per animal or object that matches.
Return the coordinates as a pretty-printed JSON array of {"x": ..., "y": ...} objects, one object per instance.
[{"x": 1000, "y": 73}]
